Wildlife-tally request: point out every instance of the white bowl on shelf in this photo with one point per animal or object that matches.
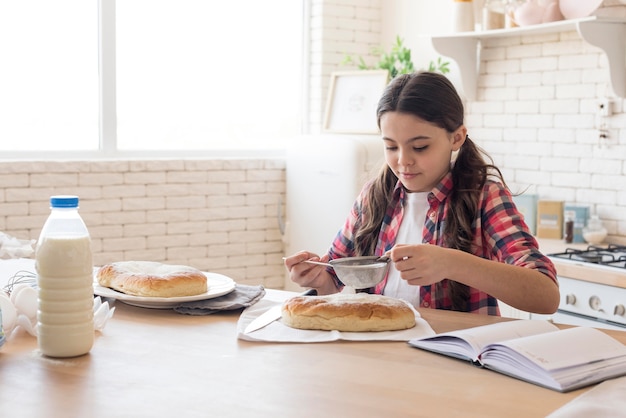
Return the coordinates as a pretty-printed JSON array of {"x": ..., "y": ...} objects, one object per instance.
[{"x": 576, "y": 9}]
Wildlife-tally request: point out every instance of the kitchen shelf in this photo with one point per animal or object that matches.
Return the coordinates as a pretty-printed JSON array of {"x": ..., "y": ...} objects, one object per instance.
[{"x": 608, "y": 34}]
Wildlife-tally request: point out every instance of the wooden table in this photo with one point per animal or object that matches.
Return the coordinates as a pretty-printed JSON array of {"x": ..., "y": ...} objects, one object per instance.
[{"x": 158, "y": 363}]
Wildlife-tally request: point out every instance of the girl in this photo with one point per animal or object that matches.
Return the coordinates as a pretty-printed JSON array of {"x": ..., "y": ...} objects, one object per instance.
[{"x": 441, "y": 212}]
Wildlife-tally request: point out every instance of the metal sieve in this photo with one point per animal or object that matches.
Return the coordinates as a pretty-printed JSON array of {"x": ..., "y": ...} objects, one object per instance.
[{"x": 359, "y": 272}]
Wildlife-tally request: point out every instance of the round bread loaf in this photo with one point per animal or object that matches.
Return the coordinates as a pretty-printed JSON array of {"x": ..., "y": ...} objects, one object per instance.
[
  {"x": 152, "y": 279},
  {"x": 348, "y": 312}
]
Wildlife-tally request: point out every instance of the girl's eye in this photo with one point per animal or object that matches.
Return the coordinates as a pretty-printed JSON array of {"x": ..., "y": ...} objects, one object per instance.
[
  {"x": 420, "y": 149},
  {"x": 391, "y": 148}
]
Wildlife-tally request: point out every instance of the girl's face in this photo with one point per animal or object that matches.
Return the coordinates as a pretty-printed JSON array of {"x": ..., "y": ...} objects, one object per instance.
[{"x": 418, "y": 152}]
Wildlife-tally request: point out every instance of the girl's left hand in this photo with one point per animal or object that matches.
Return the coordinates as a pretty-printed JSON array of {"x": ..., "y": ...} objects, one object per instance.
[{"x": 421, "y": 264}]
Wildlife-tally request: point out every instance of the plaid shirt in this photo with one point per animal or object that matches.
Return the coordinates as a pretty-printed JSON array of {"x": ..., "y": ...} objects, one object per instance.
[{"x": 500, "y": 234}]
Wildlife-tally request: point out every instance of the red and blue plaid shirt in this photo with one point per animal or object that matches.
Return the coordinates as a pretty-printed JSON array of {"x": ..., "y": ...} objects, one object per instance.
[{"x": 500, "y": 234}]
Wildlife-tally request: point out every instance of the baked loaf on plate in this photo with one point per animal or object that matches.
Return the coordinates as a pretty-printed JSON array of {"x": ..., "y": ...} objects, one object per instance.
[
  {"x": 348, "y": 312},
  {"x": 152, "y": 279}
]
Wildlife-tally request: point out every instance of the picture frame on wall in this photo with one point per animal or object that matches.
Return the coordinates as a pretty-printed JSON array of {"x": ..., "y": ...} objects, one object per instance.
[{"x": 352, "y": 100}]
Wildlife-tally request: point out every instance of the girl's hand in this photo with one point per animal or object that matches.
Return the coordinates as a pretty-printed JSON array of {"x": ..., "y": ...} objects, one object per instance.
[
  {"x": 310, "y": 275},
  {"x": 421, "y": 264}
]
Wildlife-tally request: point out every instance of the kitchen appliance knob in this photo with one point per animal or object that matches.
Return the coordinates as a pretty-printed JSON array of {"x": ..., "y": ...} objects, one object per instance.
[
  {"x": 619, "y": 310},
  {"x": 570, "y": 299},
  {"x": 595, "y": 303}
]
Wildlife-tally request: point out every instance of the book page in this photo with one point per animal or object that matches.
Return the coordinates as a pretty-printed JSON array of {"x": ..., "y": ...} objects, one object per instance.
[
  {"x": 468, "y": 343},
  {"x": 563, "y": 360},
  {"x": 568, "y": 348}
]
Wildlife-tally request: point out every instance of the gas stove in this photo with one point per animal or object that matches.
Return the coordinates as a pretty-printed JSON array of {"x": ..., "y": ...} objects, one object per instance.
[
  {"x": 592, "y": 283},
  {"x": 610, "y": 255}
]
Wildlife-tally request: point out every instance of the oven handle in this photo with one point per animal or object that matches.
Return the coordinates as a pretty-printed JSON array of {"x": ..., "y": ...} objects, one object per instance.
[{"x": 590, "y": 318}]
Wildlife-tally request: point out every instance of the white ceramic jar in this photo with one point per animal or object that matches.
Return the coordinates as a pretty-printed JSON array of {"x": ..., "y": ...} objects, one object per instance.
[
  {"x": 65, "y": 278},
  {"x": 463, "y": 16}
]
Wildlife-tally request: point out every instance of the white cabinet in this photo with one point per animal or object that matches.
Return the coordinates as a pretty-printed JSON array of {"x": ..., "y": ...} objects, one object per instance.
[{"x": 607, "y": 34}]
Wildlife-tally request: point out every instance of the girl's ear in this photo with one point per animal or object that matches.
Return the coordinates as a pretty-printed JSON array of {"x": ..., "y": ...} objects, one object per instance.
[{"x": 458, "y": 137}]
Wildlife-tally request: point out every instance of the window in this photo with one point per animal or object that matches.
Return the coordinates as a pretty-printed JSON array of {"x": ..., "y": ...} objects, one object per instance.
[
  {"x": 188, "y": 74},
  {"x": 49, "y": 75},
  {"x": 203, "y": 74}
]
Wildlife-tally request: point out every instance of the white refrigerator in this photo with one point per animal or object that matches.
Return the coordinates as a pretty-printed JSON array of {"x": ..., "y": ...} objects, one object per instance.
[{"x": 324, "y": 175}]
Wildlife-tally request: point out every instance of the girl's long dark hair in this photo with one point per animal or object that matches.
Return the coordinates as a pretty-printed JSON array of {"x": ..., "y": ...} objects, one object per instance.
[{"x": 431, "y": 97}]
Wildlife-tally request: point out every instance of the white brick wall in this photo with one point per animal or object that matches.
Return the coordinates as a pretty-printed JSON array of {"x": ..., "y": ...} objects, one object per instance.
[
  {"x": 218, "y": 216},
  {"x": 338, "y": 28},
  {"x": 535, "y": 114}
]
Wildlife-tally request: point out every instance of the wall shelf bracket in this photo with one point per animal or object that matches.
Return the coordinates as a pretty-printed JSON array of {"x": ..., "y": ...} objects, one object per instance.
[
  {"x": 466, "y": 52},
  {"x": 610, "y": 37}
]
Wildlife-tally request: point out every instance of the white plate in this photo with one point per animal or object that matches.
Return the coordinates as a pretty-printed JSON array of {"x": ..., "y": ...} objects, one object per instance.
[{"x": 218, "y": 285}]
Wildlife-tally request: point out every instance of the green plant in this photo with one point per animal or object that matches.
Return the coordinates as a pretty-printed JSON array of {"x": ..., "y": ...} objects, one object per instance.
[
  {"x": 398, "y": 61},
  {"x": 439, "y": 65}
]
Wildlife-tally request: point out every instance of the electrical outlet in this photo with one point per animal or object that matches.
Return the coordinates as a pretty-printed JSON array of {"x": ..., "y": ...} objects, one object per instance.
[{"x": 604, "y": 107}]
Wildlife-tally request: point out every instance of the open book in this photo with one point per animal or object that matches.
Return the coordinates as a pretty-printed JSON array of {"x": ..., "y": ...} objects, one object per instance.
[{"x": 536, "y": 351}]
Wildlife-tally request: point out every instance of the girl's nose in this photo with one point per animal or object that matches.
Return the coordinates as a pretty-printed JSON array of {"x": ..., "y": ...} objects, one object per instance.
[{"x": 405, "y": 158}]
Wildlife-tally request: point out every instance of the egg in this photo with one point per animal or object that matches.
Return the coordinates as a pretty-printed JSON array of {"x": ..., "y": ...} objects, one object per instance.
[{"x": 9, "y": 313}]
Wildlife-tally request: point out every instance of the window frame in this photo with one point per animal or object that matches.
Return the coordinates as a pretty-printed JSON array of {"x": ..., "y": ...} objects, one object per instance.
[{"x": 107, "y": 129}]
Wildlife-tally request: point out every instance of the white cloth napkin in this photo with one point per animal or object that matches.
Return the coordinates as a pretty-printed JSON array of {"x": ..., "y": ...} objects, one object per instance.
[
  {"x": 278, "y": 332},
  {"x": 607, "y": 399}
]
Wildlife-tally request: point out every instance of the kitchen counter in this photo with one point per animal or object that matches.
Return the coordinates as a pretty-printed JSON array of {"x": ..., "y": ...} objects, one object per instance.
[
  {"x": 152, "y": 363},
  {"x": 551, "y": 246}
]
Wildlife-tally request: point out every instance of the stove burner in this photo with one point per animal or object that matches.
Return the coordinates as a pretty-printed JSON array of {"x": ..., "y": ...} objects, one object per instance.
[
  {"x": 591, "y": 257},
  {"x": 611, "y": 255}
]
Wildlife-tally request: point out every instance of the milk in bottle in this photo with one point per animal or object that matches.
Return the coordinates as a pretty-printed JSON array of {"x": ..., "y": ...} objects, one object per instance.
[{"x": 65, "y": 278}]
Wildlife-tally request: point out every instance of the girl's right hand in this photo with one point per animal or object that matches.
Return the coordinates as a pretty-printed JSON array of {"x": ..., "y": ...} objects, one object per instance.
[{"x": 310, "y": 275}]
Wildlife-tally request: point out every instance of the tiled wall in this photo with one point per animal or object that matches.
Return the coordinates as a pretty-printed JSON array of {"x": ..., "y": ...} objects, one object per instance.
[{"x": 218, "y": 216}]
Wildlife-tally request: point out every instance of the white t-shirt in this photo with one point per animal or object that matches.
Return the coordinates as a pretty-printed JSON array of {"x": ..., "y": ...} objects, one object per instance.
[{"x": 410, "y": 232}]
